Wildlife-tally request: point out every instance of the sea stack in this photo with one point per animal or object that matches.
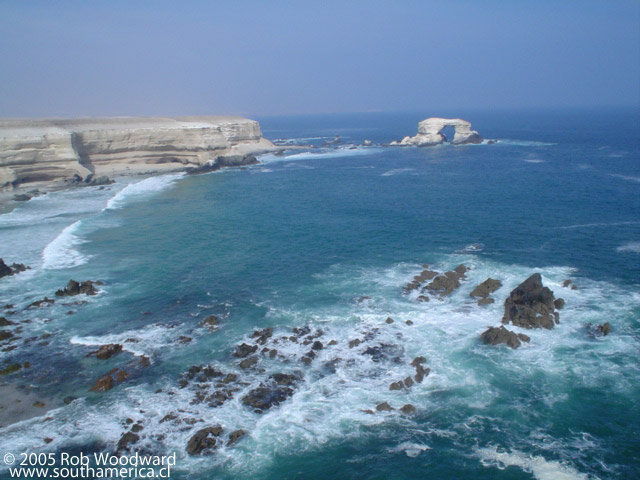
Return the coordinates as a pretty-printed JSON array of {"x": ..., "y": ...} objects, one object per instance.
[{"x": 430, "y": 133}]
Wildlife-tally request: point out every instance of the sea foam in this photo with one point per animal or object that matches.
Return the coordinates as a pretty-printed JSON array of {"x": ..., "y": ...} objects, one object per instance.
[
  {"x": 61, "y": 252},
  {"x": 141, "y": 190}
]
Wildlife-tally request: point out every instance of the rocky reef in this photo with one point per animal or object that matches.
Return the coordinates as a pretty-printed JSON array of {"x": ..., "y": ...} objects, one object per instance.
[
  {"x": 42, "y": 152},
  {"x": 430, "y": 133}
]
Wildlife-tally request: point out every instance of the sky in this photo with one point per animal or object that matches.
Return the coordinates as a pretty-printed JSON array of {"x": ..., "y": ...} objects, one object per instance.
[{"x": 125, "y": 58}]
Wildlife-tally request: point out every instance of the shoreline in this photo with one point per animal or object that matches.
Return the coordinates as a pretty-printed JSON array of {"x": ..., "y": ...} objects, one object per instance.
[{"x": 44, "y": 155}]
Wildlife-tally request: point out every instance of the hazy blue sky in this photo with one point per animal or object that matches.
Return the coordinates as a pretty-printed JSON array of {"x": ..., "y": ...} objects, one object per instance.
[{"x": 73, "y": 58}]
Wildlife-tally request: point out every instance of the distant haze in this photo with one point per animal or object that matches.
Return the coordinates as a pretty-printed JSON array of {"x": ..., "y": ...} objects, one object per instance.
[{"x": 113, "y": 58}]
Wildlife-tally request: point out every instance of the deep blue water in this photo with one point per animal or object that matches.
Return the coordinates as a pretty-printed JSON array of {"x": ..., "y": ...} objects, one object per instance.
[{"x": 298, "y": 240}]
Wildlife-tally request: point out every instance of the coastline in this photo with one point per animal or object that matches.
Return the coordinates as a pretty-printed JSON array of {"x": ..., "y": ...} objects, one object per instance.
[{"x": 45, "y": 155}]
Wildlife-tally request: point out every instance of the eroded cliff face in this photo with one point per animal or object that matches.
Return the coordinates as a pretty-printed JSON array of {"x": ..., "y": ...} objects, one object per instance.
[
  {"x": 430, "y": 133},
  {"x": 61, "y": 150}
]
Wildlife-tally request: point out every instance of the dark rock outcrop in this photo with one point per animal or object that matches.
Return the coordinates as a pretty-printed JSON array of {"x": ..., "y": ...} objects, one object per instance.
[
  {"x": 45, "y": 302},
  {"x": 599, "y": 330},
  {"x": 244, "y": 350},
  {"x": 107, "y": 351},
  {"x": 486, "y": 288},
  {"x": 447, "y": 283},
  {"x": 204, "y": 440},
  {"x": 498, "y": 335},
  {"x": 531, "y": 305},
  {"x": 266, "y": 396},
  {"x": 108, "y": 381},
  {"x": 8, "y": 270},
  {"x": 235, "y": 436},
  {"x": 210, "y": 322},
  {"x": 76, "y": 288}
]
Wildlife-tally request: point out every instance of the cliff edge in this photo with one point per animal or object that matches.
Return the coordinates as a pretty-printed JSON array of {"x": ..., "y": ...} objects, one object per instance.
[{"x": 45, "y": 153}]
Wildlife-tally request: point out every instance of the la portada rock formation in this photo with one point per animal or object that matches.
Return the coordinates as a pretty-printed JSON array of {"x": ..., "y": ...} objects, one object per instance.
[
  {"x": 41, "y": 152},
  {"x": 430, "y": 133}
]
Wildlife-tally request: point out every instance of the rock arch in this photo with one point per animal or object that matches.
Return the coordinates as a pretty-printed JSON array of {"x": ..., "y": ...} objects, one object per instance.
[{"x": 430, "y": 133}]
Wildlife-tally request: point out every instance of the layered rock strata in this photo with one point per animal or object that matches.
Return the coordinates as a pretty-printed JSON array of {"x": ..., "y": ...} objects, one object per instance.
[{"x": 36, "y": 152}]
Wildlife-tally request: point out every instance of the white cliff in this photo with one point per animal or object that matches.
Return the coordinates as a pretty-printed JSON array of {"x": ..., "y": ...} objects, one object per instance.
[
  {"x": 430, "y": 133},
  {"x": 41, "y": 152}
]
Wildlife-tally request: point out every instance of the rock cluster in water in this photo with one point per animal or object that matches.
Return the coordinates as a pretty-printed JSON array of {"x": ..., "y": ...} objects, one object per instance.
[{"x": 8, "y": 270}]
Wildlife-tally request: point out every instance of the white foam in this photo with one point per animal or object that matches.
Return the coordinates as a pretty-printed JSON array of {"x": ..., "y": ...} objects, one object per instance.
[
  {"x": 591, "y": 225},
  {"x": 148, "y": 340},
  {"x": 629, "y": 178},
  {"x": 629, "y": 247},
  {"x": 319, "y": 155},
  {"x": 411, "y": 449},
  {"x": 141, "y": 190},
  {"x": 397, "y": 171},
  {"x": 61, "y": 252},
  {"x": 523, "y": 143},
  {"x": 534, "y": 160},
  {"x": 538, "y": 466}
]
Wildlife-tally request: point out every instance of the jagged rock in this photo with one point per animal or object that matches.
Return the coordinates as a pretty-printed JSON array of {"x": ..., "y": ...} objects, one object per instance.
[
  {"x": 498, "y": 335},
  {"x": 422, "y": 277},
  {"x": 486, "y": 288},
  {"x": 108, "y": 381},
  {"x": 566, "y": 283},
  {"x": 486, "y": 301},
  {"x": 430, "y": 133},
  {"x": 235, "y": 436},
  {"x": 396, "y": 386},
  {"x": 267, "y": 396},
  {"x": 354, "y": 343},
  {"x": 600, "y": 330},
  {"x": 211, "y": 322},
  {"x": 94, "y": 181},
  {"x": 244, "y": 350},
  {"x": 107, "y": 351},
  {"x": 384, "y": 407},
  {"x": 22, "y": 197},
  {"x": 409, "y": 322},
  {"x": 286, "y": 379},
  {"x": 317, "y": 345},
  {"x": 40, "y": 303},
  {"x": 389, "y": 320},
  {"x": 418, "y": 361},
  {"x": 530, "y": 305},
  {"x": 558, "y": 303},
  {"x": 445, "y": 284},
  {"x": 248, "y": 362},
  {"x": 421, "y": 373},
  {"x": 203, "y": 440},
  {"x": 408, "y": 409},
  {"x": 77, "y": 288},
  {"x": 423, "y": 298},
  {"x": 332, "y": 342},
  {"x": 126, "y": 440},
  {"x": 7, "y": 270},
  {"x": 262, "y": 335},
  {"x": 408, "y": 382}
]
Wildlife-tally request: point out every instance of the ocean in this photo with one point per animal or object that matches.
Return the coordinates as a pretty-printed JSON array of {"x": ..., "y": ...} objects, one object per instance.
[{"x": 325, "y": 237}]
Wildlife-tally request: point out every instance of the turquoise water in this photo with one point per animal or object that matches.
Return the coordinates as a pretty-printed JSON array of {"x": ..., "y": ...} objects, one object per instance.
[{"x": 299, "y": 240}]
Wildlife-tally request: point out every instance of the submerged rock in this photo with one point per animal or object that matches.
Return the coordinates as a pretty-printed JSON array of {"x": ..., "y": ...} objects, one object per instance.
[
  {"x": 45, "y": 302},
  {"x": 600, "y": 330},
  {"x": 235, "y": 436},
  {"x": 531, "y": 305},
  {"x": 498, "y": 335},
  {"x": 107, "y": 351},
  {"x": 210, "y": 322},
  {"x": 408, "y": 409}
]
